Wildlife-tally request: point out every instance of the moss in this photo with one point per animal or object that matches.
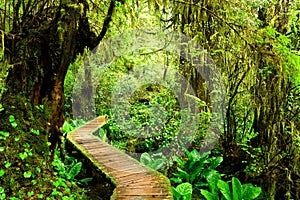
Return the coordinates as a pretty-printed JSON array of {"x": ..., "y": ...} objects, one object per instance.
[{"x": 24, "y": 159}]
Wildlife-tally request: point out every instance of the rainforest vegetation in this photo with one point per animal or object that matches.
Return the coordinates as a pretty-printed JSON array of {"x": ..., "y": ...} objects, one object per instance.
[{"x": 211, "y": 89}]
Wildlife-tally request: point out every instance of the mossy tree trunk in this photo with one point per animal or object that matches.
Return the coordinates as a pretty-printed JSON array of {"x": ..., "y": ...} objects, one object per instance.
[
  {"x": 252, "y": 44},
  {"x": 39, "y": 49},
  {"x": 41, "y": 39}
]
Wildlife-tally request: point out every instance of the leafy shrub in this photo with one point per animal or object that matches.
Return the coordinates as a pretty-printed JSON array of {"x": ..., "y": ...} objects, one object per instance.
[
  {"x": 155, "y": 161},
  {"x": 68, "y": 172},
  {"x": 196, "y": 168},
  {"x": 183, "y": 191},
  {"x": 221, "y": 188}
]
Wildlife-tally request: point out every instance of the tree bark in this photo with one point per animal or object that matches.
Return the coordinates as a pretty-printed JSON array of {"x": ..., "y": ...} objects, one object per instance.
[
  {"x": 40, "y": 47},
  {"x": 40, "y": 57}
]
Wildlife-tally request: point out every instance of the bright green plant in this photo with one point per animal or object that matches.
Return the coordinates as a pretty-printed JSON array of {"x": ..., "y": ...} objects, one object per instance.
[
  {"x": 70, "y": 126},
  {"x": 68, "y": 172},
  {"x": 13, "y": 121},
  {"x": 220, "y": 189},
  {"x": 183, "y": 191},
  {"x": 196, "y": 168},
  {"x": 4, "y": 135},
  {"x": 155, "y": 161}
]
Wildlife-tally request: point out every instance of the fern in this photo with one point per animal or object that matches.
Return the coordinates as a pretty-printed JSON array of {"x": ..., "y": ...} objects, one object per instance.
[{"x": 74, "y": 171}]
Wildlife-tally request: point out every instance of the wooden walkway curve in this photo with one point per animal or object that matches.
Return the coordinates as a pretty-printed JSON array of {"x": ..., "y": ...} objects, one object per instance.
[{"x": 132, "y": 179}]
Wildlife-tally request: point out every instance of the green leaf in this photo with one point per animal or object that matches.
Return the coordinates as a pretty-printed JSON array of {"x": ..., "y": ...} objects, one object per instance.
[
  {"x": 2, "y": 196},
  {"x": 225, "y": 190},
  {"x": 157, "y": 164},
  {"x": 212, "y": 179},
  {"x": 216, "y": 162},
  {"x": 145, "y": 159},
  {"x": 38, "y": 169},
  {"x": 176, "y": 194},
  {"x": 86, "y": 180},
  {"x": 184, "y": 189},
  {"x": 183, "y": 174},
  {"x": 27, "y": 174},
  {"x": 7, "y": 164},
  {"x": 67, "y": 127},
  {"x": 23, "y": 155},
  {"x": 4, "y": 133},
  {"x": 30, "y": 193},
  {"x": 201, "y": 184},
  {"x": 176, "y": 180},
  {"x": 36, "y": 132},
  {"x": 194, "y": 155},
  {"x": 2, "y": 172},
  {"x": 179, "y": 161},
  {"x": 14, "y": 124},
  {"x": 208, "y": 195},
  {"x": 34, "y": 182},
  {"x": 196, "y": 171},
  {"x": 74, "y": 171},
  {"x": 12, "y": 121},
  {"x": 1, "y": 149},
  {"x": 236, "y": 189},
  {"x": 250, "y": 192}
]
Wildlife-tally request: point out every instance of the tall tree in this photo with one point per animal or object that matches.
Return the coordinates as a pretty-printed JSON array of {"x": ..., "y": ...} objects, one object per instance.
[
  {"x": 41, "y": 39},
  {"x": 252, "y": 43}
]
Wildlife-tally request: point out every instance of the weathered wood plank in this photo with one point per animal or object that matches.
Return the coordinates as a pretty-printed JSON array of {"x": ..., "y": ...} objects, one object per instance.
[{"x": 133, "y": 180}]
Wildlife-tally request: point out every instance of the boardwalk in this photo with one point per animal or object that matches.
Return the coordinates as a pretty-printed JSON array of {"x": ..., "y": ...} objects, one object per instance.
[{"x": 132, "y": 179}]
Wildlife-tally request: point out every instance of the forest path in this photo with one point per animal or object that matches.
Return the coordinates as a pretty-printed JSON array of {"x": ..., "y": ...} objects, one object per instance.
[{"x": 132, "y": 179}]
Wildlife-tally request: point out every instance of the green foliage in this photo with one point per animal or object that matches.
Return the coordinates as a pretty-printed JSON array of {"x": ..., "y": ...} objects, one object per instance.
[
  {"x": 196, "y": 168},
  {"x": 31, "y": 159},
  {"x": 27, "y": 174},
  {"x": 200, "y": 172},
  {"x": 70, "y": 126},
  {"x": 2, "y": 172},
  {"x": 4, "y": 135},
  {"x": 220, "y": 189},
  {"x": 74, "y": 171},
  {"x": 2, "y": 193},
  {"x": 68, "y": 172},
  {"x": 183, "y": 191},
  {"x": 149, "y": 108},
  {"x": 155, "y": 161},
  {"x": 13, "y": 121}
]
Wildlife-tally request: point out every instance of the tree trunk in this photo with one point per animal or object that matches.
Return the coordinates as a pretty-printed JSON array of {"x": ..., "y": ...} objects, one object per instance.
[
  {"x": 42, "y": 39},
  {"x": 40, "y": 47},
  {"x": 40, "y": 55}
]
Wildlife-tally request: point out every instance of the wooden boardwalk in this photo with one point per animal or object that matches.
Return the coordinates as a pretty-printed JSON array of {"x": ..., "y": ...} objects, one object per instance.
[{"x": 132, "y": 179}]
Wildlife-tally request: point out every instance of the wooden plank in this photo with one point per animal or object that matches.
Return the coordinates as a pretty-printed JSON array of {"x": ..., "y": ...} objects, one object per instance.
[
  {"x": 141, "y": 191},
  {"x": 133, "y": 180},
  {"x": 112, "y": 163},
  {"x": 148, "y": 181},
  {"x": 145, "y": 197},
  {"x": 102, "y": 155},
  {"x": 126, "y": 168}
]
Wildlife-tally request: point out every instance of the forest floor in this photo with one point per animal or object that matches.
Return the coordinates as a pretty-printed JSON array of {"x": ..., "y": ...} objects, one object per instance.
[
  {"x": 101, "y": 187},
  {"x": 100, "y": 191}
]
